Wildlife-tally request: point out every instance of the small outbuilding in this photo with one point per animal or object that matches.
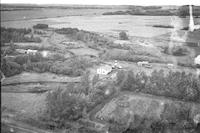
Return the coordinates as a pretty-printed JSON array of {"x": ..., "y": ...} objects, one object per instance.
[
  {"x": 104, "y": 70},
  {"x": 197, "y": 61},
  {"x": 33, "y": 52}
]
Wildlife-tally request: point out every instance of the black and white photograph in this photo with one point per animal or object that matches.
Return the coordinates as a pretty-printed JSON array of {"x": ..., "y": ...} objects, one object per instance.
[{"x": 100, "y": 66}]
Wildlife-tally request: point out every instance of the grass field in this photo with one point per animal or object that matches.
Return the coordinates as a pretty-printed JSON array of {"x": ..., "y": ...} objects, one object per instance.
[
  {"x": 143, "y": 105},
  {"x": 24, "y": 103},
  {"x": 37, "y": 78}
]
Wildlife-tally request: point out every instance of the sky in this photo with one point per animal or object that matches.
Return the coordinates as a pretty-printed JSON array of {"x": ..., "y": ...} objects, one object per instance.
[{"x": 108, "y": 2}]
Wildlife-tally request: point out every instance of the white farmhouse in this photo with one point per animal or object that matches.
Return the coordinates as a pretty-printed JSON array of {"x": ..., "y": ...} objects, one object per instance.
[
  {"x": 141, "y": 63},
  {"x": 29, "y": 51},
  {"x": 197, "y": 60},
  {"x": 122, "y": 42},
  {"x": 104, "y": 70},
  {"x": 169, "y": 65},
  {"x": 21, "y": 51}
]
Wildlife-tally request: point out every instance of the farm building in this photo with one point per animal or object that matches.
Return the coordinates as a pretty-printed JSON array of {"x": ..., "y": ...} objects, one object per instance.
[
  {"x": 104, "y": 70},
  {"x": 197, "y": 61},
  {"x": 170, "y": 65},
  {"x": 116, "y": 65},
  {"x": 21, "y": 51},
  {"x": 71, "y": 44},
  {"x": 29, "y": 51},
  {"x": 122, "y": 42},
  {"x": 45, "y": 53},
  {"x": 141, "y": 63}
]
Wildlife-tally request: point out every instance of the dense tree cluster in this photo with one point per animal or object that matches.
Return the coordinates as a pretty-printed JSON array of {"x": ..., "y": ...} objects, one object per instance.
[
  {"x": 133, "y": 57},
  {"x": 40, "y": 26},
  {"x": 176, "y": 50},
  {"x": 173, "y": 84},
  {"x": 62, "y": 107},
  {"x": 183, "y": 11},
  {"x": 72, "y": 103},
  {"x": 85, "y": 36},
  {"x": 16, "y": 35},
  {"x": 37, "y": 63}
]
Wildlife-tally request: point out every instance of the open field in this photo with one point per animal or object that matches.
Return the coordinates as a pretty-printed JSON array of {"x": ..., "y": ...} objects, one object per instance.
[
  {"x": 24, "y": 103},
  {"x": 143, "y": 105}
]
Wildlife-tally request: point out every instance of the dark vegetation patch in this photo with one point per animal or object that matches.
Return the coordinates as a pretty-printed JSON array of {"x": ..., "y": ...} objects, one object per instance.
[
  {"x": 37, "y": 63},
  {"x": 147, "y": 125},
  {"x": 174, "y": 118},
  {"x": 133, "y": 56},
  {"x": 152, "y": 11},
  {"x": 123, "y": 35},
  {"x": 70, "y": 104},
  {"x": 176, "y": 50},
  {"x": 85, "y": 36},
  {"x": 17, "y": 35},
  {"x": 40, "y": 26},
  {"x": 177, "y": 85},
  {"x": 183, "y": 11},
  {"x": 163, "y": 26}
]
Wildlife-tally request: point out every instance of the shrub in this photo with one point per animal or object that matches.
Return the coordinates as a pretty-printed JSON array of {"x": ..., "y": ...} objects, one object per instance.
[{"x": 123, "y": 36}]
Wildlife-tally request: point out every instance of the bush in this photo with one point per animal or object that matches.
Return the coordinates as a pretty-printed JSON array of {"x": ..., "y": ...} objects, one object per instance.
[{"x": 123, "y": 36}]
